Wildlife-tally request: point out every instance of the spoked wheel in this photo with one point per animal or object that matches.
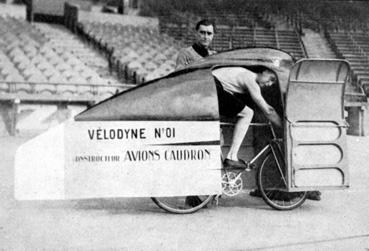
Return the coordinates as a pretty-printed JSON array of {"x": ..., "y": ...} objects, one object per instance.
[
  {"x": 272, "y": 185},
  {"x": 183, "y": 205}
]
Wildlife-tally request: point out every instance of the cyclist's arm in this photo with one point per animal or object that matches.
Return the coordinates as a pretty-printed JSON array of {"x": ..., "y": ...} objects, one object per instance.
[{"x": 268, "y": 110}]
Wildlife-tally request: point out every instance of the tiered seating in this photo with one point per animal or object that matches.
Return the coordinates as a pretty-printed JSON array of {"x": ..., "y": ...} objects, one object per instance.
[
  {"x": 32, "y": 63},
  {"x": 354, "y": 48},
  {"x": 235, "y": 18},
  {"x": 240, "y": 13},
  {"x": 177, "y": 31},
  {"x": 361, "y": 40},
  {"x": 131, "y": 20},
  {"x": 242, "y": 37},
  {"x": 222, "y": 39},
  {"x": 326, "y": 15},
  {"x": 290, "y": 42},
  {"x": 317, "y": 15},
  {"x": 137, "y": 54},
  {"x": 63, "y": 41},
  {"x": 265, "y": 38},
  {"x": 239, "y": 24},
  {"x": 237, "y": 37}
]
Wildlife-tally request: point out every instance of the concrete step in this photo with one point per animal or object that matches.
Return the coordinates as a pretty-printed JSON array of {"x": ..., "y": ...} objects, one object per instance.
[
  {"x": 351, "y": 49},
  {"x": 361, "y": 70},
  {"x": 316, "y": 45},
  {"x": 360, "y": 67},
  {"x": 357, "y": 61},
  {"x": 351, "y": 55}
]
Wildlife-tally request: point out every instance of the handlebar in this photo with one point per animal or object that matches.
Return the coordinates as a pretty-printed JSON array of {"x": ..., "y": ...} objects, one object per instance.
[{"x": 251, "y": 124}]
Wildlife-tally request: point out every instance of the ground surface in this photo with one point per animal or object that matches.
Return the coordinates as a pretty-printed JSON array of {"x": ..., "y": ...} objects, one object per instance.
[{"x": 340, "y": 221}]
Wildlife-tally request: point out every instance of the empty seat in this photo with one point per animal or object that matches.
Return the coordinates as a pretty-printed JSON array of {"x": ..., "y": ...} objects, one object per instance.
[
  {"x": 15, "y": 77},
  {"x": 57, "y": 78},
  {"x": 62, "y": 67}
]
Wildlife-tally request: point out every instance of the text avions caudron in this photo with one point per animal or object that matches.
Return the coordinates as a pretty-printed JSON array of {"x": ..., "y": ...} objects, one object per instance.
[{"x": 150, "y": 155}]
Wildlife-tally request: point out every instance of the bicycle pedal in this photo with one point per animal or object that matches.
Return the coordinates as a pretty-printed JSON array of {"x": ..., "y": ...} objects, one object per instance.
[{"x": 250, "y": 167}]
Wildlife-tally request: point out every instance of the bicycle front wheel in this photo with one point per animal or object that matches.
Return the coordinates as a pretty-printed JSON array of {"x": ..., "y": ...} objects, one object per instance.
[
  {"x": 272, "y": 185},
  {"x": 184, "y": 204}
]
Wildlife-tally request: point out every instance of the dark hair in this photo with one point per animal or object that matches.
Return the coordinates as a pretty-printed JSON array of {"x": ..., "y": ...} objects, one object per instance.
[
  {"x": 205, "y": 22},
  {"x": 273, "y": 77}
]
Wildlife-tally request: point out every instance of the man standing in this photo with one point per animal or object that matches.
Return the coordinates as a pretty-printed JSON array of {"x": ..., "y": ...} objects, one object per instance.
[{"x": 204, "y": 35}]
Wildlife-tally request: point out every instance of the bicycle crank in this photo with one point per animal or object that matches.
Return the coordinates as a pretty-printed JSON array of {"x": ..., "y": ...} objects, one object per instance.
[{"x": 231, "y": 183}]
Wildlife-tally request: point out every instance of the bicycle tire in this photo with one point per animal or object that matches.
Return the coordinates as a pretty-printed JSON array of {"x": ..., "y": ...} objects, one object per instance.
[
  {"x": 272, "y": 185},
  {"x": 178, "y": 205}
]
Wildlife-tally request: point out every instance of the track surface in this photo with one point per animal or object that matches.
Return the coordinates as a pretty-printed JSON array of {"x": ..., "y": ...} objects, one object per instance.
[{"x": 340, "y": 221}]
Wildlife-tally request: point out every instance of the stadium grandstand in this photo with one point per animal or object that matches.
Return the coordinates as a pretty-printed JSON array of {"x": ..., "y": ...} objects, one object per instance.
[{"x": 58, "y": 57}]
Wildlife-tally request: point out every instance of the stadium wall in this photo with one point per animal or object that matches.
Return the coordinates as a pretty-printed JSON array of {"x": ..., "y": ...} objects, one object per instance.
[
  {"x": 122, "y": 19},
  {"x": 51, "y": 11}
]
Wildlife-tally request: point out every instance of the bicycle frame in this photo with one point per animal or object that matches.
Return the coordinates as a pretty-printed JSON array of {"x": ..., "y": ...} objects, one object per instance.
[{"x": 273, "y": 147}]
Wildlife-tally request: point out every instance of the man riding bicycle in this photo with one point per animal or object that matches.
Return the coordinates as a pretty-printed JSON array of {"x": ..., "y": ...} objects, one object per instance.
[{"x": 239, "y": 92}]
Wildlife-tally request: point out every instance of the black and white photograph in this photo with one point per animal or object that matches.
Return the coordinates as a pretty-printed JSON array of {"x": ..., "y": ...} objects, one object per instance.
[{"x": 223, "y": 125}]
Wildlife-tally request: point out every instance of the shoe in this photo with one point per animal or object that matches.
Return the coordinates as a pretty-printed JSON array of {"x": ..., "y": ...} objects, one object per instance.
[
  {"x": 276, "y": 195},
  {"x": 313, "y": 195},
  {"x": 283, "y": 196},
  {"x": 193, "y": 201},
  {"x": 255, "y": 193},
  {"x": 234, "y": 164}
]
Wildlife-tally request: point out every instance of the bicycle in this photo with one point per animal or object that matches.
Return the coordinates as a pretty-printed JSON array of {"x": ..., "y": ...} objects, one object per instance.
[{"x": 271, "y": 182}]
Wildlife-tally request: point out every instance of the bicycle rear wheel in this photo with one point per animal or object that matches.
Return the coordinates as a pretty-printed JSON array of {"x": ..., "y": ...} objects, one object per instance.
[
  {"x": 272, "y": 185},
  {"x": 183, "y": 204}
]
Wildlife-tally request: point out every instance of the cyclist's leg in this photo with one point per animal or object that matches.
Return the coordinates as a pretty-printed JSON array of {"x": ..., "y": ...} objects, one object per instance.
[
  {"x": 239, "y": 132},
  {"x": 231, "y": 106}
]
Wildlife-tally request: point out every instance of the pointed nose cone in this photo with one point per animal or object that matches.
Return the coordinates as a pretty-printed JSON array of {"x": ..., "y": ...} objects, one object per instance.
[{"x": 189, "y": 96}]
